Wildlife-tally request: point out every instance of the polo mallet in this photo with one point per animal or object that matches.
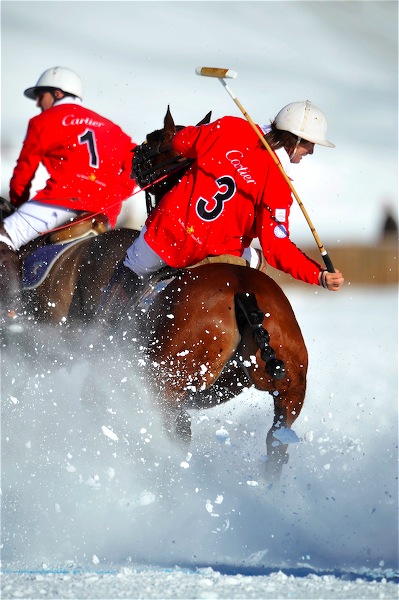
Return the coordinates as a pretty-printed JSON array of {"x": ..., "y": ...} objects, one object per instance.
[{"x": 223, "y": 74}]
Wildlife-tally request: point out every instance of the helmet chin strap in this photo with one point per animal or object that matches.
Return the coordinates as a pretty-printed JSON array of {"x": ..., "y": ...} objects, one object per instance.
[
  {"x": 299, "y": 140},
  {"x": 303, "y": 127}
]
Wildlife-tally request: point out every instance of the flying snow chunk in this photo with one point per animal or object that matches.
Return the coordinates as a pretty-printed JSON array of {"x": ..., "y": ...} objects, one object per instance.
[
  {"x": 95, "y": 559},
  {"x": 184, "y": 353},
  {"x": 209, "y": 506},
  {"x": 222, "y": 434},
  {"x": 286, "y": 436},
  {"x": 110, "y": 434},
  {"x": 110, "y": 472},
  {"x": 308, "y": 437},
  {"x": 146, "y": 498}
]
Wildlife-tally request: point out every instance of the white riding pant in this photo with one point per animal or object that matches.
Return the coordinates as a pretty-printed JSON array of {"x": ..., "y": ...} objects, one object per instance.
[
  {"x": 251, "y": 256},
  {"x": 32, "y": 219},
  {"x": 141, "y": 258}
]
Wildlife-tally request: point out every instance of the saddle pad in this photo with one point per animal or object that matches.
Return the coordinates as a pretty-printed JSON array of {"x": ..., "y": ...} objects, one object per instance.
[{"x": 38, "y": 264}]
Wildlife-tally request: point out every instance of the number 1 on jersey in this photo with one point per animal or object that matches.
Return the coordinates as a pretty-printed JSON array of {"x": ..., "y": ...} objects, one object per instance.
[{"x": 89, "y": 138}]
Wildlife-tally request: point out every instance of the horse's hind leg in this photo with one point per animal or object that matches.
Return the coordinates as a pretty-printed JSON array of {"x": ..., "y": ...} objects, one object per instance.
[
  {"x": 286, "y": 384},
  {"x": 186, "y": 359},
  {"x": 177, "y": 424},
  {"x": 280, "y": 369},
  {"x": 288, "y": 399}
]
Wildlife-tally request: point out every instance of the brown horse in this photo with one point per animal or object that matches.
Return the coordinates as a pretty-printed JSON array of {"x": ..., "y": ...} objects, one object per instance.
[
  {"x": 84, "y": 246},
  {"x": 74, "y": 284},
  {"x": 65, "y": 298},
  {"x": 215, "y": 328}
]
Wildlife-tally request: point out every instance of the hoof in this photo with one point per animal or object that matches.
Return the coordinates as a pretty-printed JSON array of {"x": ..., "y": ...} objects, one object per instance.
[
  {"x": 274, "y": 466},
  {"x": 285, "y": 435}
]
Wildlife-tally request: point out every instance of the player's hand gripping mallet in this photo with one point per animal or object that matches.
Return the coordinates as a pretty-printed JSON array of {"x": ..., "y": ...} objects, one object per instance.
[{"x": 223, "y": 74}]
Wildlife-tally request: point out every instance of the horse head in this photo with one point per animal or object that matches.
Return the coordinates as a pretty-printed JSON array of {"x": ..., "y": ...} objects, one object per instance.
[{"x": 156, "y": 167}]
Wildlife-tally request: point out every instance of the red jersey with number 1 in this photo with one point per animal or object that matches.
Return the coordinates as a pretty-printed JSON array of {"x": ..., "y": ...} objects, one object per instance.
[
  {"x": 88, "y": 159},
  {"x": 232, "y": 194}
]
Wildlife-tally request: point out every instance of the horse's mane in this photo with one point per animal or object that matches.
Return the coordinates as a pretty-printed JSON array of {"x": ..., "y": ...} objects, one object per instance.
[{"x": 156, "y": 167}]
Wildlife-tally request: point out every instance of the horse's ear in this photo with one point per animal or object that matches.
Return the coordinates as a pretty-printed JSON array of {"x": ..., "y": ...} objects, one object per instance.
[
  {"x": 206, "y": 119},
  {"x": 168, "y": 123}
]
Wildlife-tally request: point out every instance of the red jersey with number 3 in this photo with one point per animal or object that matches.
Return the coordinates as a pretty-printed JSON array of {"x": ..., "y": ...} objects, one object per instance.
[
  {"x": 88, "y": 159},
  {"x": 232, "y": 194}
]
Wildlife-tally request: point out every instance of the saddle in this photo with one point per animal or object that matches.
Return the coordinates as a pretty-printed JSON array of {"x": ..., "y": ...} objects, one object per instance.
[
  {"x": 228, "y": 259},
  {"x": 39, "y": 262},
  {"x": 87, "y": 223}
]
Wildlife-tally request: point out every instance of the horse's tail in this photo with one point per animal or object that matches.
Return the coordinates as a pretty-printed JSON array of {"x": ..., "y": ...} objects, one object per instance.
[{"x": 246, "y": 305}]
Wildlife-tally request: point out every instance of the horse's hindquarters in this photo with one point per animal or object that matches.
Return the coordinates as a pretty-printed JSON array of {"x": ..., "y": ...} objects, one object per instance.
[{"x": 195, "y": 335}]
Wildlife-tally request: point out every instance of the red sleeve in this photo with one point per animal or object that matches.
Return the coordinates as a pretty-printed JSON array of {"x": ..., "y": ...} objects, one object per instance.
[
  {"x": 26, "y": 167},
  {"x": 272, "y": 223},
  {"x": 285, "y": 256}
]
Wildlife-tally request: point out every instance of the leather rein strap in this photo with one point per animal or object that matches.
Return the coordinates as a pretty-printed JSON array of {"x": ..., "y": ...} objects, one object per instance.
[{"x": 147, "y": 174}]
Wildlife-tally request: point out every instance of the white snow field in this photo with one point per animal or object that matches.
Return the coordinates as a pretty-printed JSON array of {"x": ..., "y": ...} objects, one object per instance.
[{"x": 95, "y": 504}]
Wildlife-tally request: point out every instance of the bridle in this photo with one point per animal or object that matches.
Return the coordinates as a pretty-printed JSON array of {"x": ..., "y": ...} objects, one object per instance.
[{"x": 153, "y": 175}]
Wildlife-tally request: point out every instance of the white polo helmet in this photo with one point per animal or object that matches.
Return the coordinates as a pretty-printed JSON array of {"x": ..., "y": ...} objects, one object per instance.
[
  {"x": 59, "y": 78},
  {"x": 306, "y": 121}
]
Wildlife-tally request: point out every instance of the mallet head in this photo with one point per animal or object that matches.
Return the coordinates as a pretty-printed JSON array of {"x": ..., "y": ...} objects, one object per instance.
[{"x": 215, "y": 72}]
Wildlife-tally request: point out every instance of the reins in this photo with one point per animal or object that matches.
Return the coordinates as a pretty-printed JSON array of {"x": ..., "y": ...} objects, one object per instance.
[
  {"x": 140, "y": 189},
  {"x": 143, "y": 170},
  {"x": 149, "y": 175},
  {"x": 146, "y": 174}
]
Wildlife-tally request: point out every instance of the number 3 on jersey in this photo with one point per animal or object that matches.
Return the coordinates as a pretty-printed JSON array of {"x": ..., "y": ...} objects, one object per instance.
[
  {"x": 209, "y": 210},
  {"x": 89, "y": 138}
]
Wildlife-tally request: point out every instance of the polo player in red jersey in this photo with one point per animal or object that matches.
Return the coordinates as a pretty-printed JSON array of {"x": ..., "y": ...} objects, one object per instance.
[
  {"x": 88, "y": 160},
  {"x": 232, "y": 194}
]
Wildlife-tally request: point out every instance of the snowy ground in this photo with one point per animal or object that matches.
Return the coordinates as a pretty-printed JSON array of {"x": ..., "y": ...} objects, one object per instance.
[{"x": 95, "y": 505}]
